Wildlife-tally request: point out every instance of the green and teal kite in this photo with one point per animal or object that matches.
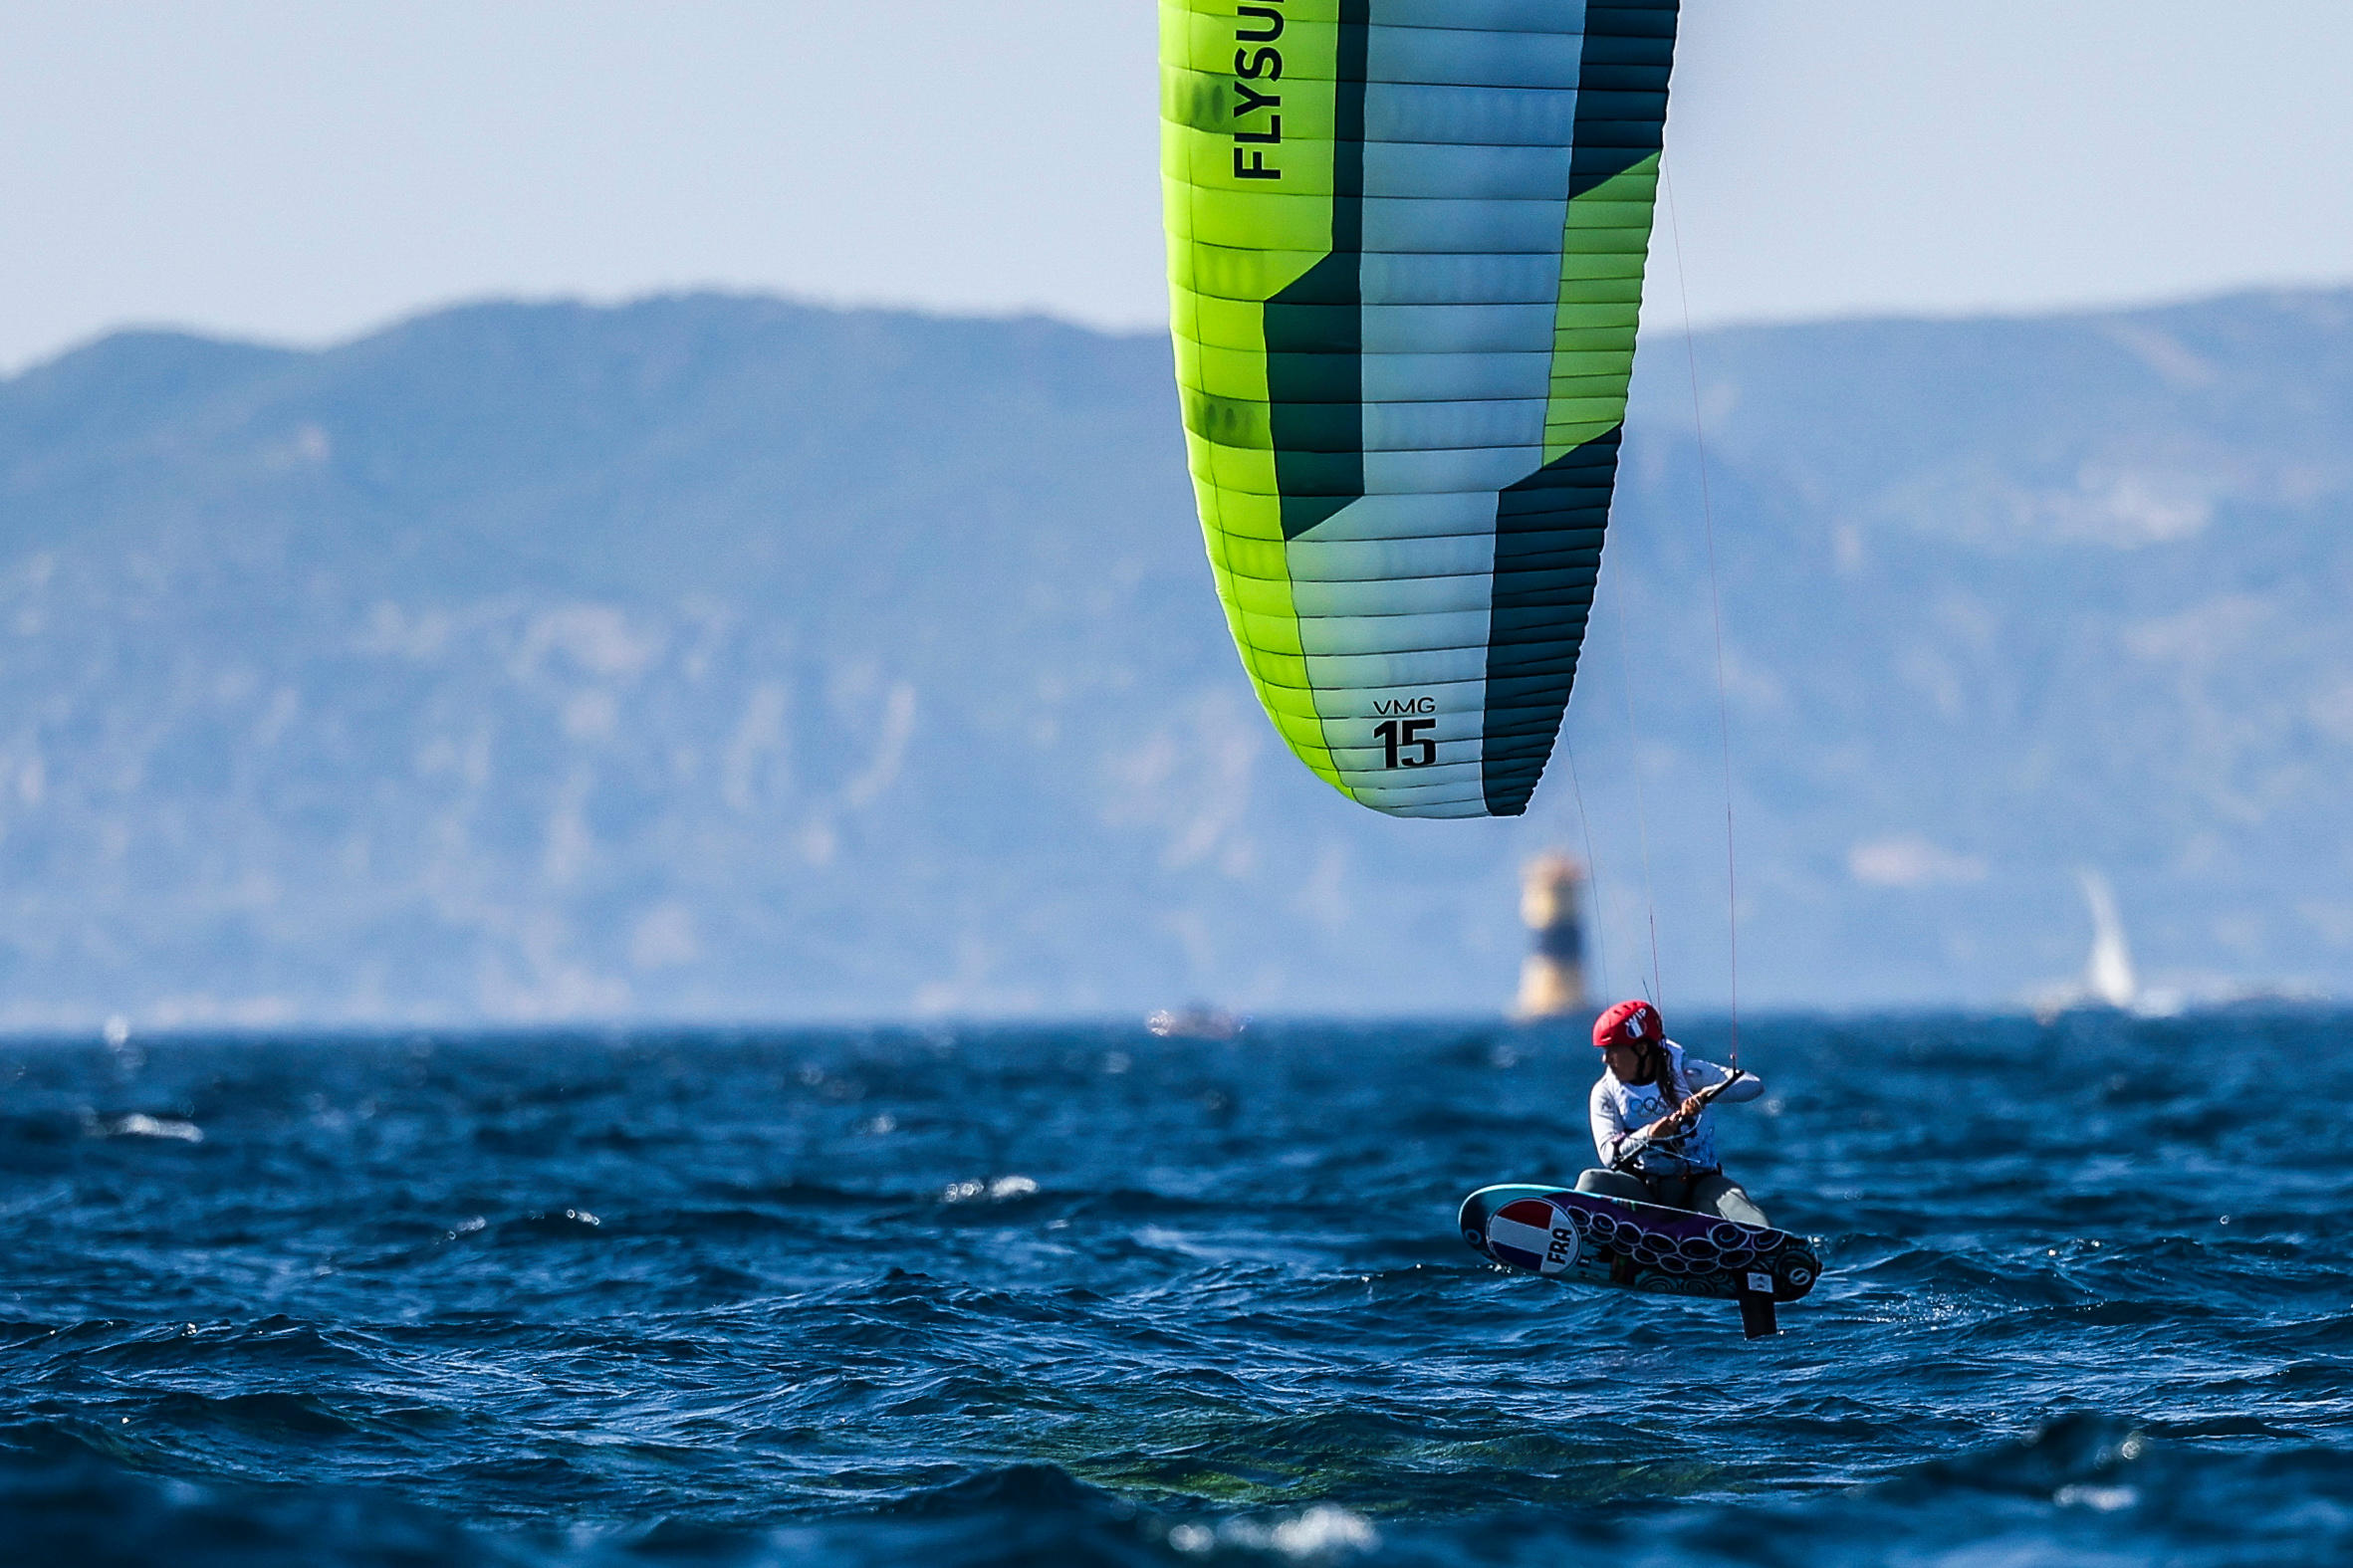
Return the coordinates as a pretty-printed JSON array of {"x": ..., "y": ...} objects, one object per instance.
[{"x": 1406, "y": 242}]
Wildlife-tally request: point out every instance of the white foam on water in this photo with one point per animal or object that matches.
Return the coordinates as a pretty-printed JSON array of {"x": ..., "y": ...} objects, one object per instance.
[
  {"x": 138, "y": 1125},
  {"x": 1323, "y": 1532}
]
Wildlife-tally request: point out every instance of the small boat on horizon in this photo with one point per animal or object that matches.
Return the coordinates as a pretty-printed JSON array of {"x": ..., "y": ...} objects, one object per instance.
[{"x": 1196, "y": 1022}]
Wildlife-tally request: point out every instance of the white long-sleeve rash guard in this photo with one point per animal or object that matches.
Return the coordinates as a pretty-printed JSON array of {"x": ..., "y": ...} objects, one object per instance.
[{"x": 1620, "y": 1111}]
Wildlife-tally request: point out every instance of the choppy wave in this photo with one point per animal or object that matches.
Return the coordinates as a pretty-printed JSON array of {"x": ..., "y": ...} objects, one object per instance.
[{"x": 1084, "y": 1295}]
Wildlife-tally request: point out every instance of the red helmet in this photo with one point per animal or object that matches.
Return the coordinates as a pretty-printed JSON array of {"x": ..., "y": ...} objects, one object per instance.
[{"x": 1629, "y": 1023}]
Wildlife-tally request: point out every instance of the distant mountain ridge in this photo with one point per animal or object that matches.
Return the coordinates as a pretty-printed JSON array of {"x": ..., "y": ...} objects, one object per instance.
[{"x": 717, "y": 657}]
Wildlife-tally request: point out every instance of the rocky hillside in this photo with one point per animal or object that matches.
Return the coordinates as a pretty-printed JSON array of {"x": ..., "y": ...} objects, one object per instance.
[{"x": 721, "y": 658}]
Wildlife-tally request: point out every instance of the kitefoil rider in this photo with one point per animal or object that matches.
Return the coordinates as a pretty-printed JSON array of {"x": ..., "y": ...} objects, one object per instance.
[{"x": 1650, "y": 1121}]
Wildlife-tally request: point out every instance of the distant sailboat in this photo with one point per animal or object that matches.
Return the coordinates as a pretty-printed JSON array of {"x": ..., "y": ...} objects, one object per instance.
[
  {"x": 2109, "y": 982},
  {"x": 2108, "y": 977}
]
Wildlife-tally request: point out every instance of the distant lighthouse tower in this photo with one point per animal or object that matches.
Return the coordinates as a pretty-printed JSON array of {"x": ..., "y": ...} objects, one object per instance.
[{"x": 1552, "y": 901}]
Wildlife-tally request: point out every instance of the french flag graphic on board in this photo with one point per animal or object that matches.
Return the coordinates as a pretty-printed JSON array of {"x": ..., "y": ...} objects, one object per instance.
[{"x": 1530, "y": 1234}]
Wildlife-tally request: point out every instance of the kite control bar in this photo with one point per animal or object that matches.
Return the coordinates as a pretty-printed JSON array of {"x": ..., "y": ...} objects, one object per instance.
[{"x": 1643, "y": 1140}]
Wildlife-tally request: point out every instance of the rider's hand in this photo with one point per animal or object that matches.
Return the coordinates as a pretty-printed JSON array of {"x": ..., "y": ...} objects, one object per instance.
[{"x": 1677, "y": 1120}]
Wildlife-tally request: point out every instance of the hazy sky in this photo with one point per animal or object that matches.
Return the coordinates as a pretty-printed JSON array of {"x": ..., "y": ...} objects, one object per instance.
[{"x": 302, "y": 172}]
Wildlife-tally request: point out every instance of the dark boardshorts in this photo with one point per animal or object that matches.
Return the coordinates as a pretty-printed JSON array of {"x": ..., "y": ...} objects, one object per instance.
[{"x": 1699, "y": 1192}]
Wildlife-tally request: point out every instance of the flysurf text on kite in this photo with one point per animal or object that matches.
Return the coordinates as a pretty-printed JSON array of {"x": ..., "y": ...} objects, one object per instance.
[{"x": 1256, "y": 64}]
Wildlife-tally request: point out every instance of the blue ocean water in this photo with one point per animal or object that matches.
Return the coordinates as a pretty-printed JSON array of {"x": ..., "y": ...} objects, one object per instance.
[{"x": 1079, "y": 1295}]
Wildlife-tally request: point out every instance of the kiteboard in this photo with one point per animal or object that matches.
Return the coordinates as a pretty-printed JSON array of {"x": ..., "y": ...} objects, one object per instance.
[{"x": 1592, "y": 1240}]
